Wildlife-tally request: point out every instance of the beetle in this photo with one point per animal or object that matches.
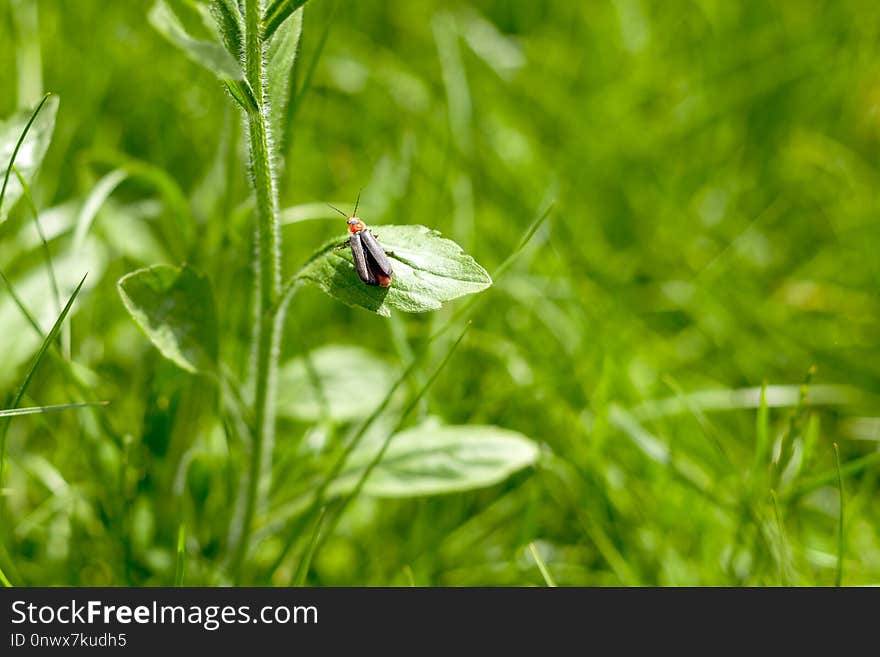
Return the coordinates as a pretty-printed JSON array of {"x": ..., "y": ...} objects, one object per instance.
[{"x": 370, "y": 259}]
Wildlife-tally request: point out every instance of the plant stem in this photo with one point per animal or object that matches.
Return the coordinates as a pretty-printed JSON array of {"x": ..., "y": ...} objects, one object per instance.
[
  {"x": 838, "y": 575},
  {"x": 269, "y": 315}
]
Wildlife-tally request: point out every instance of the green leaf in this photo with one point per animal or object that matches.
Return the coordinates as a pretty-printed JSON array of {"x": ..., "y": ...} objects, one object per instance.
[
  {"x": 175, "y": 309},
  {"x": 428, "y": 271},
  {"x": 26, "y": 136},
  {"x": 432, "y": 459},
  {"x": 210, "y": 54},
  {"x": 18, "y": 339},
  {"x": 277, "y": 13},
  {"x": 230, "y": 23},
  {"x": 213, "y": 56},
  {"x": 337, "y": 382},
  {"x": 44, "y": 346},
  {"x": 36, "y": 410},
  {"x": 96, "y": 198},
  {"x": 280, "y": 58}
]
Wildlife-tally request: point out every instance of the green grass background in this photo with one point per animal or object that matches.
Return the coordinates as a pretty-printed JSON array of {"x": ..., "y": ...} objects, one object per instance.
[{"x": 715, "y": 227}]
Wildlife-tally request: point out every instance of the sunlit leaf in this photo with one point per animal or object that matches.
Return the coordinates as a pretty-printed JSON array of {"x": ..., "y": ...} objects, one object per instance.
[
  {"x": 339, "y": 382},
  {"x": 429, "y": 270},
  {"x": 230, "y": 23},
  {"x": 280, "y": 57},
  {"x": 175, "y": 309},
  {"x": 277, "y": 13},
  {"x": 432, "y": 459}
]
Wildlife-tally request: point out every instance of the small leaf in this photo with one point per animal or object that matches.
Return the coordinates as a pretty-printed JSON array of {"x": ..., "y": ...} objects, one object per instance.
[
  {"x": 277, "y": 13},
  {"x": 213, "y": 56},
  {"x": 339, "y": 382},
  {"x": 230, "y": 23},
  {"x": 30, "y": 152},
  {"x": 208, "y": 53},
  {"x": 175, "y": 309},
  {"x": 432, "y": 459},
  {"x": 280, "y": 58},
  {"x": 428, "y": 271}
]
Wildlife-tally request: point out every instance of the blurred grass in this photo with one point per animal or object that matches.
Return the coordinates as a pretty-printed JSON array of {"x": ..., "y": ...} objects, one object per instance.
[{"x": 714, "y": 171}]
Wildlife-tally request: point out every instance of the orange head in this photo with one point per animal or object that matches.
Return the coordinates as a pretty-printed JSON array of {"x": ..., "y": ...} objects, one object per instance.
[{"x": 355, "y": 225}]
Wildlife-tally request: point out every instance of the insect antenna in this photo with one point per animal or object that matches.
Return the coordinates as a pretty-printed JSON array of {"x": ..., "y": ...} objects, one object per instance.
[
  {"x": 338, "y": 210},
  {"x": 356, "y": 201}
]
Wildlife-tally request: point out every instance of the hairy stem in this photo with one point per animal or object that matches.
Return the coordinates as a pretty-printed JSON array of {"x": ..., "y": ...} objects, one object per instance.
[{"x": 269, "y": 314}]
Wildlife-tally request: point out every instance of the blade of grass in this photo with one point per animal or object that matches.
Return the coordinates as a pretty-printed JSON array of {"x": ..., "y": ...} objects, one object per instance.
[
  {"x": 731, "y": 399},
  {"x": 278, "y": 12},
  {"x": 28, "y": 53},
  {"x": 526, "y": 238},
  {"x": 181, "y": 555},
  {"x": 508, "y": 261},
  {"x": 302, "y": 571},
  {"x": 4, "y": 580},
  {"x": 846, "y": 470},
  {"x": 176, "y": 228},
  {"x": 706, "y": 425},
  {"x": 593, "y": 529},
  {"x": 18, "y": 144},
  {"x": 762, "y": 430},
  {"x": 50, "y": 267},
  {"x": 297, "y": 524},
  {"x": 545, "y": 572},
  {"x": 310, "y": 71},
  {"x": 53, "y": 280},
  {"x": 838, "y": 575},
  {"x": 63, "y": 361},
  {"x": 93, "y": 203},
  {"x": 18, "y": 302},
  {"x": 32, "y": 410},
  {"x": 795, "y": 422},
  {"x": 784, "y": 565},
  {"x": 50, "y": 337},
  {"x": 414, "y": 402}
]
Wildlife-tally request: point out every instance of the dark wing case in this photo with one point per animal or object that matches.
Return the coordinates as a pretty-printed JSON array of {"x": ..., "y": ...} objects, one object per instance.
[
  {"x": 376, "y": 252},
  {"x": 360, "y": 259}
]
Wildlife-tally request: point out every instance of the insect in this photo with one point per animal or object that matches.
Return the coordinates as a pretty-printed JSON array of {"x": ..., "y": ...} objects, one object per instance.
[{"x": 370, "y": 259}]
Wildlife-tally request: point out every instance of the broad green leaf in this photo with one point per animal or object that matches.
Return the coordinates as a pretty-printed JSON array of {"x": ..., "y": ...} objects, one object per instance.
[
  {"x": 338, "y": 382},
  {"x": 277, "y": 13},
  {"x": 280, "y": 57},
  {"x": 175, "y": 309},
  {"x": 30, "y": 153},
  {"x": 428, "y": 271},
  {"x": 433, "y": 459},
  {"x": 208, "y": 53}
]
